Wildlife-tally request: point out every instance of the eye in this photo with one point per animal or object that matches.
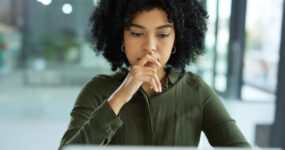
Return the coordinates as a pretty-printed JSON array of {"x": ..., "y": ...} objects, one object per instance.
[
  {"x": 136, "y": 34},
  {"x": 162, "y": 35}
]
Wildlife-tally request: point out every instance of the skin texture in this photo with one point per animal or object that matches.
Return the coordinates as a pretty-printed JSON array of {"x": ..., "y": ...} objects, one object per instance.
[
  {"x": 148, "y": 48},
  {"x": 150, "y": 34},
  {"x": 148, "y": 45}
]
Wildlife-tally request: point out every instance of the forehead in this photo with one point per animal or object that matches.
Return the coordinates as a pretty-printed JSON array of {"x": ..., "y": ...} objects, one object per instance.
[{"x": 151, "y": 18}]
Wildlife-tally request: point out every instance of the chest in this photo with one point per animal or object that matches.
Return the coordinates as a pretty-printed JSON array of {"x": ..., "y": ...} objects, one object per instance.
[{"x": 165, "y": 119}]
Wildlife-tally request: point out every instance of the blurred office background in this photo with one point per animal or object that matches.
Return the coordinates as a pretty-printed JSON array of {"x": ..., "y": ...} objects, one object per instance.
[{"x": 45, "y": 59}]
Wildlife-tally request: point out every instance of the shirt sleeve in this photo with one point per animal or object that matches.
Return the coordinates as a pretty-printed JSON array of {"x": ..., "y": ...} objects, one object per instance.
[
  {"x": 219, "y": 127},
  {"x": 92, "y": 119}
]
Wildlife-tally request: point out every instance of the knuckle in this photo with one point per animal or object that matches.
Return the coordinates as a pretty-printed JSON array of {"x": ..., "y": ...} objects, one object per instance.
[
  {"x": 134, "y": 70},
  {"x": 153, "y": 71},
  {"x": 135, "y": 74}
]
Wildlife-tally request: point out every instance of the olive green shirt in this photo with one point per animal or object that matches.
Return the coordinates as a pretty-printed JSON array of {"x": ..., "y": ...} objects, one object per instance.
[{"x": 176, "y": 116}]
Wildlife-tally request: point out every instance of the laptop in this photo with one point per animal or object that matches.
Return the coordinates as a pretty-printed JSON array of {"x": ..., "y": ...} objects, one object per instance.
[{"x": 93, "y": 147}]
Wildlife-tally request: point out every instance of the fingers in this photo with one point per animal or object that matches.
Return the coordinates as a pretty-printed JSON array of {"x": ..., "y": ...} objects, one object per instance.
[
  {"x": 152, "y": 82},
  {"x": 156, "y": 79},
  {"x": 154, "y": 86},
  {"x": 155, "y": 83},
  {"x": 146, "y": 71}
]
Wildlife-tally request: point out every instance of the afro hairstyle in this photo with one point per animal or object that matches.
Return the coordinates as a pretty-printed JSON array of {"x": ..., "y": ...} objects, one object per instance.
[{"x": 111, "y": 17}]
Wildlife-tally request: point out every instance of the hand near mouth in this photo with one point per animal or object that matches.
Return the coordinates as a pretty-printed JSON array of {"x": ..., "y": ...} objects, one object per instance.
[
  {"x": 144, "y": 71},
  {"x": 147, "y": 66}
]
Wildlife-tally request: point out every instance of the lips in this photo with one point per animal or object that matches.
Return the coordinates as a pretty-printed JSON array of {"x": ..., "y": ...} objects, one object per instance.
[{"x": 148, "y": 64}]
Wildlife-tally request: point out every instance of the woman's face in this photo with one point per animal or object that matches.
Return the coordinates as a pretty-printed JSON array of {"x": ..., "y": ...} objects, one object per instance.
[{"x": 149, "y": 33}]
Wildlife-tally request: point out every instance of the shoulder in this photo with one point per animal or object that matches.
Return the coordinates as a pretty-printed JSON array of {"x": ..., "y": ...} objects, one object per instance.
[
  {"x": 100, "y": 79},
  {"x": 193, "y": 80},
  {"x": 198, "y": 86},
  {"x": 103, "y": 82},
  {"x": 96, "y": 90}
]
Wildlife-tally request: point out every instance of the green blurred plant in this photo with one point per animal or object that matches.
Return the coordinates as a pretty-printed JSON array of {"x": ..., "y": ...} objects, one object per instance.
[{"x": 57, "y": 49}]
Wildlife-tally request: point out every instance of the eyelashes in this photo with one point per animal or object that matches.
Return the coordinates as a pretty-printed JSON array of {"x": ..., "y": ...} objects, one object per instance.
[
  {"x": 138, "y": 34},
  {"x": 163, "y": 35}
]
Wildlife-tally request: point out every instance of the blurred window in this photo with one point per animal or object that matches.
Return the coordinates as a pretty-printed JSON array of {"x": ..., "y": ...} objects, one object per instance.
[
  {"x": 213, "y": 65},
  {"x": 263, "y": 29}
]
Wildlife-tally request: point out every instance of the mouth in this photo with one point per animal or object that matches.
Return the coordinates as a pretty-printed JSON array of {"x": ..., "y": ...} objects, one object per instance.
[
  {"x": 148, "y": 64},
  {"x": 140, "y": 59}
]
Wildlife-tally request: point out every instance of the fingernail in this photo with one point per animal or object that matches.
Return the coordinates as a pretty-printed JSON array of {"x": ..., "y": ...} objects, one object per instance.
[{"x": 158, "y": 63}]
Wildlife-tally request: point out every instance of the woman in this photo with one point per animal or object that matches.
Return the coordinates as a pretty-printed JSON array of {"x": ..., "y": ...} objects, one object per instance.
[{"x": 151, "y": 100}]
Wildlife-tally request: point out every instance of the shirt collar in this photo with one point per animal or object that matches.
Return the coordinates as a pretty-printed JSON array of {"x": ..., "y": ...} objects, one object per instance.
[{"x": 173, "y": 75}]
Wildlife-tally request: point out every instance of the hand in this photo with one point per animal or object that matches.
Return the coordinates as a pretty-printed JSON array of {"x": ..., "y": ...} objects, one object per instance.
[{"x": 144, "y": 71}]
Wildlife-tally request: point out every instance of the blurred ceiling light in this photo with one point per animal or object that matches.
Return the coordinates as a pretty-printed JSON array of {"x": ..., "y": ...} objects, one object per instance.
[
  {"x": 45, "y": 2},
  {"x": 67, "y": 8}
]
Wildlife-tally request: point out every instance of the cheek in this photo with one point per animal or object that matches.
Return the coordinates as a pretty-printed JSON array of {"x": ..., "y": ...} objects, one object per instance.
[
  {"x": 164, "y": 56},
  {"x": 129, "y": 41},
  {"x": 168, "y": 43},
  {"x": 167, "y": 46},
  {"x": 131, "y": 55},
  {"x": 131, "y": 49},
  {"x": 166, "y": 50}
]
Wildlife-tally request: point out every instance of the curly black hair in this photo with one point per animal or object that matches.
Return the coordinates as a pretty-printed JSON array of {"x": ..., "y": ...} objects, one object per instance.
[{"x": 111, "y": 17}]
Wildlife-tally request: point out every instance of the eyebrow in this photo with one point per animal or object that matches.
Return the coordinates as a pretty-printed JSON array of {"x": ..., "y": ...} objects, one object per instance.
[{"x": 159, "y": 27}]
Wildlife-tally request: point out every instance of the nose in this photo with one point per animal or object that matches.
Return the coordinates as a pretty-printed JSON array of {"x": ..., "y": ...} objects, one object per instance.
[{"x": 149, "y": 44}]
